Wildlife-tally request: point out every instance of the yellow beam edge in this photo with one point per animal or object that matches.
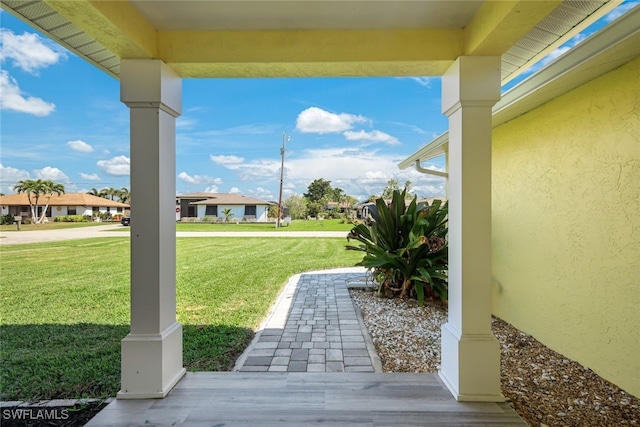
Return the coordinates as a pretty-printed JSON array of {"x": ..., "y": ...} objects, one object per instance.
[
  {"x": 498, "y": 25},
  {"x": 313, "y": 46},
  {"x": 116, "y": 25},
  {"x": 306, "y": 69}
]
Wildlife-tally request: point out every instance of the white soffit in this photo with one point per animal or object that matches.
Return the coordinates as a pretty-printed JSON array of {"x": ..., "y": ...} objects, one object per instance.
[
  {"x": 606, "y": 50},
  {"x": 567, "y": 20}
]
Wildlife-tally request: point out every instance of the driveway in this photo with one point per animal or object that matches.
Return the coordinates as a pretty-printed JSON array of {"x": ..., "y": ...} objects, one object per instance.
[{"x": 21, "y": 237}]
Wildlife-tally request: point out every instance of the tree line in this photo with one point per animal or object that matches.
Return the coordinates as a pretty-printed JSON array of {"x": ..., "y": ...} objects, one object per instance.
[
  {"x": 123, "y": 195},
  {"x": 320, "y": 194}
]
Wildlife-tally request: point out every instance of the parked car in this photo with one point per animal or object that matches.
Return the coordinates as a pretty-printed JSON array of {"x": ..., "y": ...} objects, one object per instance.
[{"x": 126, "y": 221}]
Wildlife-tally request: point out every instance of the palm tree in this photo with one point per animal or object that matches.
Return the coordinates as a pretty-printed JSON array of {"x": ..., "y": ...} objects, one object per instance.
[
  {"x": 50, "y": 188},
  {"x": 95, "y": 192},
  {"x": 110, "y": 193},
  {"x": 124, "y": 195},
  {"x": 228, "y": 214},
  {"x": 35, "y": 189}
]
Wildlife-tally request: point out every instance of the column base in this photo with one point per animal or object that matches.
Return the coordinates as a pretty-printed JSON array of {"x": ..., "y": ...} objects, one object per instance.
[
  {"x": 471, "y": 366},
  {"x": 151, "y": 364}
]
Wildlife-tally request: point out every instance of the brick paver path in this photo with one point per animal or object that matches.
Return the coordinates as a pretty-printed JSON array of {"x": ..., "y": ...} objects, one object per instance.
[{"x": 313, "y": 328}]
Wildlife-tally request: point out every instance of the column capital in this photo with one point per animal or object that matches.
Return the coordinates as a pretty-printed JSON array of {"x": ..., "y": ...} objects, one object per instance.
[
  {"x": 150, "y": 83},
  {"x": 472, "y": 81}
]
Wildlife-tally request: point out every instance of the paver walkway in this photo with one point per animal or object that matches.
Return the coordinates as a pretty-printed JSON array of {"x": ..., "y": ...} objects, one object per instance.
[{"x": 314, "y": 328}]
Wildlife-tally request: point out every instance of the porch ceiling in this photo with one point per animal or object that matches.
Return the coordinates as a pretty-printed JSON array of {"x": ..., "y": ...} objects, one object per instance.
[{"x": 269, "y": 38}]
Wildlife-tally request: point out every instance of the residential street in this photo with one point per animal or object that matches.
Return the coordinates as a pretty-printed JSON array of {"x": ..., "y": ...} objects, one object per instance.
[{"x": 21, "y": 237}]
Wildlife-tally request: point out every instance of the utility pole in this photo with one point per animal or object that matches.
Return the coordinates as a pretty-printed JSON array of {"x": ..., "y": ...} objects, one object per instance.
[{"x": 284, "y": 143}]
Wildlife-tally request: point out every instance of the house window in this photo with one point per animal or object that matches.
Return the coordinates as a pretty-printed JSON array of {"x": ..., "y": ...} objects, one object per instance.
[
  {"x": 71, "y": 210},
  {"x": 250, "y": 210},
  {"x": 211, "y": 210}
]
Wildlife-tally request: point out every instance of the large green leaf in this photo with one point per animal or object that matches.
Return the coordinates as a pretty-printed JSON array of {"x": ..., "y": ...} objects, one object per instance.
[{"x": 406, "y": 243}]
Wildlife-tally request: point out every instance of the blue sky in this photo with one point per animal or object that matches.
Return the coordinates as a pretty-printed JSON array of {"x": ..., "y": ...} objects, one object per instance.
[{"x": 61, "y": 119}]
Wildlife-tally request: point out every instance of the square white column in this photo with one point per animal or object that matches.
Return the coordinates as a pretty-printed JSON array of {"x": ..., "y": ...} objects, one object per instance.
[
  {"x": 470, "y": 353},
  {"x": 152, "y": 352}
]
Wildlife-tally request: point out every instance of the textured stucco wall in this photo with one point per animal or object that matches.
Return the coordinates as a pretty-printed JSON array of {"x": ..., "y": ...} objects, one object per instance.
[{"x": 566, "y": 225}]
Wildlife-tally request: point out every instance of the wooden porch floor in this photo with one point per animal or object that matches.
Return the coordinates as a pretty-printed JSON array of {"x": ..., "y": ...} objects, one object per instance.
[{"x": 298, "y": 399}]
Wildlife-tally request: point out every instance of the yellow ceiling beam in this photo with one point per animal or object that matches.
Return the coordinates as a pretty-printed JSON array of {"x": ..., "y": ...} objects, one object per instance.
[
  {"x": 316, "y": 69},
  {"x": 498, "y": 25},
  {"x": 199, "y": 50},
  {"x": 116, "y": 25}
]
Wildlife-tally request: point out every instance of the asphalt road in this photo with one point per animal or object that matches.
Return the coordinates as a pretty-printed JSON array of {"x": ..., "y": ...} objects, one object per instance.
[{"x": 22, "y": 237}]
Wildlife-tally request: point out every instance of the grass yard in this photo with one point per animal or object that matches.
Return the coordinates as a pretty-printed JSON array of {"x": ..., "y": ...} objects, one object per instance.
[
  {"x": 65, "y": 306},
  {"x": 297, "y": 225},
  {"x": 51, "y": 226}
]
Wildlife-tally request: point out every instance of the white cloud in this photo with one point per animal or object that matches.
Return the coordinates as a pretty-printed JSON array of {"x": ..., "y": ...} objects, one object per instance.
[
  {"x": 234, "y": 190},
  {"x": 90, "y": 177},
  {"x": 79, "y": 145},
  {"x": 13, "y": 99},
  {"x": 620, "y": 10},
  {"x": 198, "y": 179},
  {"x": 261, "y": 193},
  {"x": 422, "y": 81},
  {"x": 226, "y": 160},
  {"x": 185, "y": 123},
  {"x": 28, "y": 51},
  {"x": 317, "y": 120},
  {"x": 373, "y": 136},
  {"x": 10, "y": 176},
  {"x": 118, "y": 166},
  {"x": 54, "y": 174},
  {"x": 258, "y": 170},
  {"x": 211, "y": 189}
]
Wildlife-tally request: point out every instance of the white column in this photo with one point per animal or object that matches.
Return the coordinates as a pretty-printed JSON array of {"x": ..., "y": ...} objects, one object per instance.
[
  {"x": 470, "y": 353},
  {"x": 152, "y": 352}
]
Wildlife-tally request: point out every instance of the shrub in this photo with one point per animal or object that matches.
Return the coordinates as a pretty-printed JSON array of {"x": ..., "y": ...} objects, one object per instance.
[
  {"x": 6, "y": 219},
  {"x": 71, "y": 218},
  {"x": 406, "y": 248},
  {"x": 209, "y": 218}
]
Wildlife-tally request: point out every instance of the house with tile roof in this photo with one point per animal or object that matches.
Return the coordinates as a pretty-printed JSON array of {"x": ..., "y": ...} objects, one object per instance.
[
  {"x": 200, "y": 205},
  {"x": 61, "y": 205}
]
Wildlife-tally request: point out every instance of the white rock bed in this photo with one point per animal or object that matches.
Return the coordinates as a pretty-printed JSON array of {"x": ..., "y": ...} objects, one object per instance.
[{"x": 544, "y": 387}]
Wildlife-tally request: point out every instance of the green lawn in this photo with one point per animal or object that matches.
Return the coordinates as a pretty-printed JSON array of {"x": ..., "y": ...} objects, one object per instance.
[
  {"x": 51, "y": 226},
  {"x": 297, "y": 225},
  {"x": 65, "y": 306}
]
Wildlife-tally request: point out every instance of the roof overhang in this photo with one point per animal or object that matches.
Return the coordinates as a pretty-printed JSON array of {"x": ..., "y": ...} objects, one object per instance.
[
  {"x": 611, "y": 47},
  {"x": 270, "y": 38}
]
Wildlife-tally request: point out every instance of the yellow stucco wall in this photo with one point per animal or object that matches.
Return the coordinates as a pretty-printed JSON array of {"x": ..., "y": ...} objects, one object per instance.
[{"x": 566, "y": 225}]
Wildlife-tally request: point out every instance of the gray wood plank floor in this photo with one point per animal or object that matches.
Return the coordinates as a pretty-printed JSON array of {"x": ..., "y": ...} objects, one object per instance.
[{"x": 300, "y": 399}]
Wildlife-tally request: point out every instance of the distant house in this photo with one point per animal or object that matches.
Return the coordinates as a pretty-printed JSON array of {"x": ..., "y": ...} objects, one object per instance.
[
  {"x": 364, "y": 209},
  {"x": 335, "y": 207},
  {"x": 61, "y": 205},
  {"x": 200, "y": 205}
]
